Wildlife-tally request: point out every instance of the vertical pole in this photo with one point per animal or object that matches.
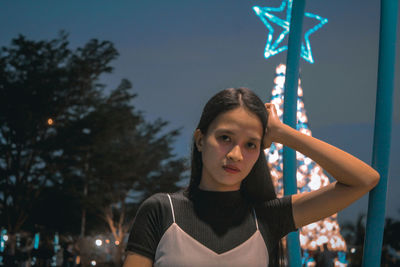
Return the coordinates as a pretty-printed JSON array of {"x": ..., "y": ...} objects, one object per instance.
[
  {"x": 290, "y": 116},
  {"x": 382, "y": 133}
]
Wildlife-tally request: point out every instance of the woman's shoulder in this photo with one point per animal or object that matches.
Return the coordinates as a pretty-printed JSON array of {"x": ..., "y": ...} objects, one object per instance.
[
  {"x": 156, "y": 210},
  {"x": 274, "y": 210},
  {"x": 162, "y": 200},
  {"x": 277, "y": 214},
  {"x": 155, "y": 199},
  {"x": 151, "y": 221}
]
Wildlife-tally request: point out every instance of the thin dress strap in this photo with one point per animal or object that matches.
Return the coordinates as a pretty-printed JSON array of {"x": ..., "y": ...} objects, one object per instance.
[
  {"x": 172, "y": 208},
  {"x": 255, "y": 217}
]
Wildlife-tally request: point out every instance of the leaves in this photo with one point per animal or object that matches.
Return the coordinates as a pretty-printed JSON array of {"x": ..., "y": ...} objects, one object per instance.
[{"x": 96, "y": 149}]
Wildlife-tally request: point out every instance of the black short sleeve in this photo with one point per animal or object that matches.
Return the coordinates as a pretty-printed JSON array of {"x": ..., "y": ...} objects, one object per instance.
[
  {"x": 276, "y": 216},
  {"x": 147, "y": 227},
  {"x": 282, "y": 211}
]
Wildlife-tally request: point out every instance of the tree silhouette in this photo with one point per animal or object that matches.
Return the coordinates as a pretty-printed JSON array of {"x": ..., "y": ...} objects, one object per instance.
[
  {"x": 355, "y": 234},
  {"x": 60, "y": 133}
]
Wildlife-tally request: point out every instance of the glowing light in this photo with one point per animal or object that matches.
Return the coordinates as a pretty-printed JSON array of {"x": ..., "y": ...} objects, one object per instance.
[
  {"x": 312, "y": 226},
  {"x": 274, "y": 156},
  {"x": 2, "y": 241},
  {"x": 303, "y": 240},
  {"x": 313, "y": 245},
  {"x": 116, "y": 242},
  {"x": 322, "y": 240},
  {"x": 310, "y": 176},
  {"x": 299, "y": 156},
  {"x": 315, "y": 182},
  {"x": 307, "y": 161},
  {"x": 5, "y": 237},
  {"x": 108, "y": 241},
  {"x": 93, "y": 263},
  {"x": 329, "y": 226},
  {"x": 36, "y": 241},
  {"x": 274, "y": 47},
  {"x": 303, "y": 168},
  {"x": 50, "y": 121},
  {"x": 280, "y": 80},
  {"x": 300, "y": 91},
  {"x": 98, "y": 242},
  {"x": 281, "y": 69},
  {"x": 353, "y": 250},
  {"x": 342, "y": 258}
]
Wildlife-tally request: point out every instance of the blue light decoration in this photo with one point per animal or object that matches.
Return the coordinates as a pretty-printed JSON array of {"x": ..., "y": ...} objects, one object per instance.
[
  {"x": 307, "y": 260},
  {"x": 18, "y": 239},
  {"x": 56, "y": 243},
  {"x": 36, "y": 241},
  {"x": 3, "y": 232},
  {"x": 273, "y": 47},
  {"x": 2, "y": 239},
  {"x": 342, "y": 257}
]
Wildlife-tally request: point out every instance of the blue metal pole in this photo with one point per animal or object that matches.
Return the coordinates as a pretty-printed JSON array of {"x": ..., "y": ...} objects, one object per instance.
[
  {"x": 382, "y": 133},
  {"x": 290, "y": 116}
]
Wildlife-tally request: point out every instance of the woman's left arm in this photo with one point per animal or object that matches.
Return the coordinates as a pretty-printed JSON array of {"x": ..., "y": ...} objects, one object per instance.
[{"x": 354, "y": 178}]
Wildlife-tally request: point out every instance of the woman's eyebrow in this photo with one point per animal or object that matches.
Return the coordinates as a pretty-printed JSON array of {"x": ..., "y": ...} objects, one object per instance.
[{"x": 220, "y": 131}]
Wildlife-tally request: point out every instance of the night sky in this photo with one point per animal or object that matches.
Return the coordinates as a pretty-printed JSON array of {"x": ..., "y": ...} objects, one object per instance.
[{"x": 178, "y": 54}]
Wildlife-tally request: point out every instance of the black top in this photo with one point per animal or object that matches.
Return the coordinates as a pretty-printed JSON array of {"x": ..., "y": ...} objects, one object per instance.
[{"x": 219, "y": 220}]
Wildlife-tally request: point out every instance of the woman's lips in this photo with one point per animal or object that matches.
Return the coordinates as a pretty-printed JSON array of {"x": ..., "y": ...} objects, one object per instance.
[{"x": 231, "y": 169}]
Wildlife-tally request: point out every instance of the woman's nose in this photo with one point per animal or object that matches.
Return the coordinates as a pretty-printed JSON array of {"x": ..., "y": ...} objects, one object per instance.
[{"x": 235, "y": 154}]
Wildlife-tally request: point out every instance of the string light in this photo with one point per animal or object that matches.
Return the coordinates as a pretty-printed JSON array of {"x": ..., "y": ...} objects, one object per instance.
[
  {"x": 310, "y": 176},
  {"x": 274, "y": 47}
]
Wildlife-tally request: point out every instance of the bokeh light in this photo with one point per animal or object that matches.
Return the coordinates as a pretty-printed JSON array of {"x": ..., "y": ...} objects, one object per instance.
[{"x": 310, "y": 176}]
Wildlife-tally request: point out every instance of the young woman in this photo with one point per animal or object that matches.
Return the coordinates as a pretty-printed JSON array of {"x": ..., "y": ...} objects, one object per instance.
[{"x": 230, "y": 215}]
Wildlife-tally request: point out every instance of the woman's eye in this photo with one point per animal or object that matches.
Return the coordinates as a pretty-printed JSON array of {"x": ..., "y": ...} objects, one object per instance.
[
  {"x": 225, "y": 138},
  {"x": 251, "y": 145}
]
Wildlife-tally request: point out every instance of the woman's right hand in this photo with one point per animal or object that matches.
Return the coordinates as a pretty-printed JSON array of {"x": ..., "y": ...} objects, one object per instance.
[{"x": 273, "y": 126}]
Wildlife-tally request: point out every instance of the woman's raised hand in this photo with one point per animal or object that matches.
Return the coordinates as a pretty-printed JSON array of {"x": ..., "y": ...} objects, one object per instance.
[
  {"x": 273, "y": 125},
  {"x": 353, "y": 177}
]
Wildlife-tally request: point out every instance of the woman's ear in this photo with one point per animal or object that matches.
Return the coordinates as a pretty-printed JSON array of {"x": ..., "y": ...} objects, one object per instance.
[{"x": 198, "y": 139}]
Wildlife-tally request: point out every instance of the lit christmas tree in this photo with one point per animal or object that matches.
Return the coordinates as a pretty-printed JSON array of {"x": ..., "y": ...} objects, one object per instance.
[{"x": 310, "y": 176}]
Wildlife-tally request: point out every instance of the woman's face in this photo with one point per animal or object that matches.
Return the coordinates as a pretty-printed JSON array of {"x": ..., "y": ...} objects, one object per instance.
[{"x": 229, "y": 149}]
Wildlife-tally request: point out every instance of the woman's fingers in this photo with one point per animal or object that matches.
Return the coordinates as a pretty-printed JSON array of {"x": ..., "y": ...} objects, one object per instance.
[
  {"x": 270, "y": 107},
  {"x": 273, "y": 124},
  {"x": 267, "y": 138},
  {"x": 271, "y": 111}
]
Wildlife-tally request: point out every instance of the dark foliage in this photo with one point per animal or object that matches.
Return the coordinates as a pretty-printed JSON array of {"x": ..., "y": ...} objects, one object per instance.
[{"x": 69, "y": 154}]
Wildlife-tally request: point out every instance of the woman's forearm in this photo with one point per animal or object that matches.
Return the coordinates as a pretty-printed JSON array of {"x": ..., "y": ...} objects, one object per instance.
[{"x": 344, "y": 167}]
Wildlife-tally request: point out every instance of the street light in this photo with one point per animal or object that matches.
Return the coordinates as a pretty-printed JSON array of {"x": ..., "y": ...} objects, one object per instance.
[{"x": 99, "y": 242}]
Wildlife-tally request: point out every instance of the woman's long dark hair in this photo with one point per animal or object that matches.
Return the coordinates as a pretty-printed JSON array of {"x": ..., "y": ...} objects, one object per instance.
[{"x": 257, "y": 186}]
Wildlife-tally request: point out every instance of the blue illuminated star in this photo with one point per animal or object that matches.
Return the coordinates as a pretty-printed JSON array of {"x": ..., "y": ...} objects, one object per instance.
[{"x": 273, "y": 46}]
